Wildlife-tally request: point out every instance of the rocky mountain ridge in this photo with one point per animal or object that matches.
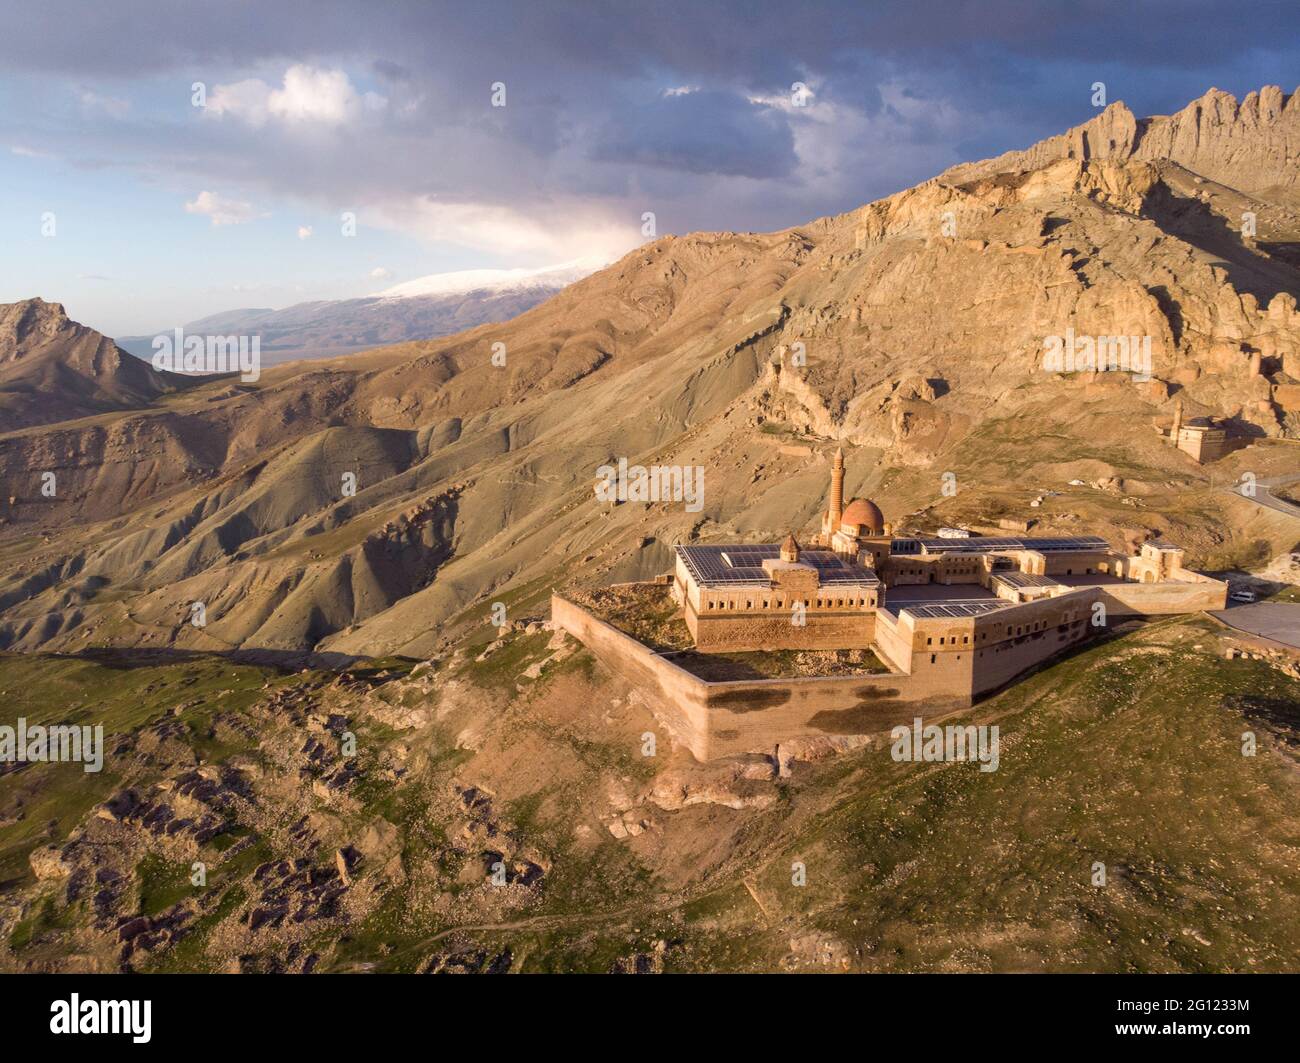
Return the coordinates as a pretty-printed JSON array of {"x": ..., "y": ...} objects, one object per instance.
[
  {"x": 1252, "y": 145},
  {"x": 379, "y": 503}
]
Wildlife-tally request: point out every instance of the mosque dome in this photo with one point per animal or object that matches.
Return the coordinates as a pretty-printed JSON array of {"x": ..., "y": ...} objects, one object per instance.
[
  {"x": 865, "y": 515},
  {"x": 790, "y": 549}
]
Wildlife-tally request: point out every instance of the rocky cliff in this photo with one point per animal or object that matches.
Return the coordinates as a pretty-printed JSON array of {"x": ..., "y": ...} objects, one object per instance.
[{"x": 1251, "y": 145}]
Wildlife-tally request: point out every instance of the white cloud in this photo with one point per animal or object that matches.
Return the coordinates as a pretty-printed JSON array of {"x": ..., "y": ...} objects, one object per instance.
[
  {"x": 307, "y": 95},
  {"x": 551, "y": 232},
  {"x": 379, "y": 273},
  {"x": 240, "y": 99},
  {"x": 469, "y": 280},
  {"x": 221, "y": 210},
  {"x": 95, "y": 102},
  {"x": 304, "y": 232}
]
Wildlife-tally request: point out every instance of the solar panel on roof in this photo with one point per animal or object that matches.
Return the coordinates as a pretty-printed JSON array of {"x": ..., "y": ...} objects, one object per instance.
[
  {"x": 1047, "y": 544},
  {"x": 1024, "y": 579},
  {"x": 738, "y": 565},
  {"x": 954, "y": 609}
]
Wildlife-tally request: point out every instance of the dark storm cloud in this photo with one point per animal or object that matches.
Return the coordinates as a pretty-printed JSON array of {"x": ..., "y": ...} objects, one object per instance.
[
  {"x": 900, "y": 91},
  {"x": 760, "y": 42},
  {"x": 704, "y": 132}
]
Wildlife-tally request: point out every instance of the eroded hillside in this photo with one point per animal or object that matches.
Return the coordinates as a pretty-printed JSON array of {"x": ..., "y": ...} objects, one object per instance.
[{"x": 911, "y": 330}]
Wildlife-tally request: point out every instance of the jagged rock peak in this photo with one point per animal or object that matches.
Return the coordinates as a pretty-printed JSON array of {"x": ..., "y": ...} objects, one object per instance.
[
  {"x": 1249, "y": 145},
  {"x": 31, "y": 321}
]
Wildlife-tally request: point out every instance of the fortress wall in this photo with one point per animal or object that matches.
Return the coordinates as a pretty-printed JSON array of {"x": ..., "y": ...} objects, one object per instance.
[
  {"x": 678, "y": 695},
  {"x": 1159, "y": 599},
  {"x": 1002, "y": 662},
  {"x": 894, "y": 641},
  {"x": 758, "y": 715},
  {"x": 720, "y": 719}
]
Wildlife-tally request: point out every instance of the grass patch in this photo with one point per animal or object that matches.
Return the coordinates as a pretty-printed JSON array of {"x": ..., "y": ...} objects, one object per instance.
[
  {"x": 646, "y": 611},
  {"x": 163, "y": 883}
]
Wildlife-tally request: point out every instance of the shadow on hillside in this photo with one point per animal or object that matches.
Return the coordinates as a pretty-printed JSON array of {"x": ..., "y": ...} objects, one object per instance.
[
  {"x": 284, "y": 661},
  {"x": 1197, "y": 224},
  {"x": 1281, "y": 715}
]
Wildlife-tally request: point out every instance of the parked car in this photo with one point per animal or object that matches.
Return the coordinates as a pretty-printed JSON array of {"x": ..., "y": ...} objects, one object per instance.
[{"x": 1242, "y": 596}]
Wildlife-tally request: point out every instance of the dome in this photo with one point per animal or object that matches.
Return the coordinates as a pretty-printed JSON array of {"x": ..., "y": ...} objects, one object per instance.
[
  {"x": 866, "y": 515},
  {"x": 790, "y": 549}
]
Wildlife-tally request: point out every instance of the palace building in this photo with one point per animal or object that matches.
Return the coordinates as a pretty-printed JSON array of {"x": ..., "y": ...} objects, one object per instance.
[
  {"x": 971, "y": 612},
  {"x": 950, "y": 618}
]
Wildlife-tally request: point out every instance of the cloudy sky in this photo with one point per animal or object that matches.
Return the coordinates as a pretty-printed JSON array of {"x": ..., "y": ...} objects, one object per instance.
[{"x": 165, "y": 160}]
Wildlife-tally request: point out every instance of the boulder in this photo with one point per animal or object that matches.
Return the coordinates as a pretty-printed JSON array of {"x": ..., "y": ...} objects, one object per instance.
[{"x": 48, "y": 863}]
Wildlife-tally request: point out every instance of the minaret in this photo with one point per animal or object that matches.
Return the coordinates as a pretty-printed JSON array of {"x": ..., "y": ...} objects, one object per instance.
[
  {"x": 837, "y": 490},
  {"x": 1178, "y": 421}
]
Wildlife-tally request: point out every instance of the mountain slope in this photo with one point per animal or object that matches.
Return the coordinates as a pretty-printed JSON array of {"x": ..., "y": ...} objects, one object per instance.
[
  {"x": 921, "y": 319},
  {"x": 54, "y": 369}
]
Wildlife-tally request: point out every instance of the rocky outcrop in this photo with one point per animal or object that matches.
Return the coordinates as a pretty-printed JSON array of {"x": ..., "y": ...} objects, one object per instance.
[
  {"x": 1251, "y": 145},
  {"x": 54, "y": 369}
]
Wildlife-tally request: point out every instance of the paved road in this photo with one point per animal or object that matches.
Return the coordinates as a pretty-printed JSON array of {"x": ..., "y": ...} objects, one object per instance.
[
  {"x": 1279, "y": 621},
  {"x": 1264, "y": 496}
]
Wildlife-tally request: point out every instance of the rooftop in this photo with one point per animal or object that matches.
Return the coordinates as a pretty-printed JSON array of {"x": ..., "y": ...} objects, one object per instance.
[
  {"x": 927, "y": 600},
  {"x": 987, "y": 544},
  {"x": 730, "y": 566},
  {"x": 939, "y": 610},
  {"x": 1025, "y": 579}
]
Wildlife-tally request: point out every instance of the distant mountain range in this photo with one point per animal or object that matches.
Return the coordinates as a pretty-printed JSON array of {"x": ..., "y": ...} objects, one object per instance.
[{"x": 425, "y": 308}]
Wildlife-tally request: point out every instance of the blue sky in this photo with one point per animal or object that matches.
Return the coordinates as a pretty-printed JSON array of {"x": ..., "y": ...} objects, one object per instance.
[{"x": 165, "y": 212}]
